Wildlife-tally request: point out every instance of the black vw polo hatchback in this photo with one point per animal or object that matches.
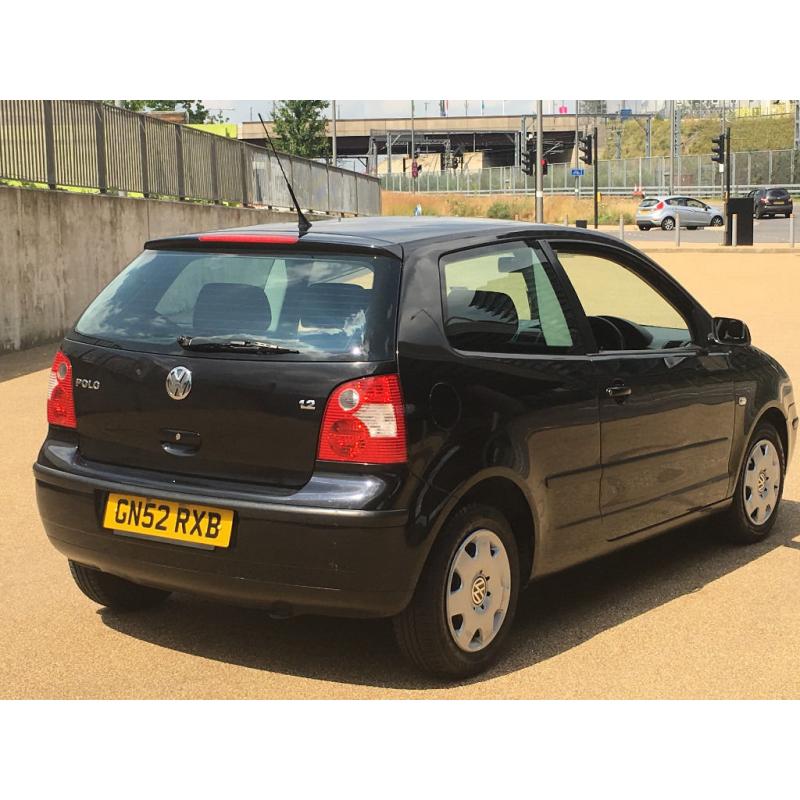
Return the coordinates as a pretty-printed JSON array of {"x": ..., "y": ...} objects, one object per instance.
[{"x": 407, "y": 418}]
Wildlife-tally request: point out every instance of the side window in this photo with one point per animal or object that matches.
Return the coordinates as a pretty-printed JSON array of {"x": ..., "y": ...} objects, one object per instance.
[
  {"x": 695, "y": 204},
  {"x": 624, "y": 311},
  {"x": 503, "y": 298}
]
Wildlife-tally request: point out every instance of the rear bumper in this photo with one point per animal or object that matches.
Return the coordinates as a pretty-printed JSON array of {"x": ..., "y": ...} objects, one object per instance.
[
  {"x": 284, "y": 557},
  {"x": 776, "y": 209}
]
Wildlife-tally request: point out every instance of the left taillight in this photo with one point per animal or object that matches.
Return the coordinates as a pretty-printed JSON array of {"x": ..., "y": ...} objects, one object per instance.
[
  {"x": 364, "y": 423},
  {"x": 60, "y": 401}
]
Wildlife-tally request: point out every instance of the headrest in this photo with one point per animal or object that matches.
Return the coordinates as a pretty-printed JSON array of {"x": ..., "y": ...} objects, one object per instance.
[
  {"x": 519, "y": 259},
  {"x": 231, "y": 308},
  {"x": 480, "y": 319},
  {"x": 330, "y": 305}
]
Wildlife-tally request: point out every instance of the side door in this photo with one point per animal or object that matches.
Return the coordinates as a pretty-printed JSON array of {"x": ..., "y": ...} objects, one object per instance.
[
  {"x": 682, "y": 208},
  {"x": 697, "y": 212},
  {"x": 527, "y": 390},
  {"x": 666, "y": 399}
]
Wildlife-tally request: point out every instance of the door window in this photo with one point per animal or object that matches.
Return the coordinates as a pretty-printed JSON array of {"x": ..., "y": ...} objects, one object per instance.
[
  {"x": 696, "y": 204},
  {"x": 624, "y": 311},
  {"x": 504, "y": 299}
]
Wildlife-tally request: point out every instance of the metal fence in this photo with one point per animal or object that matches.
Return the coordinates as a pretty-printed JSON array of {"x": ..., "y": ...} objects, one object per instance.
[
  {"x": 90, "y": 145},
  {"x": 693, "y": 175}
]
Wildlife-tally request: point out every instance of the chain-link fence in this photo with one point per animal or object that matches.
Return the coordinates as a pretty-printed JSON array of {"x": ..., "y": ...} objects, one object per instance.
[
  {"x": 90, "y": 145},
  {"x": 693, "y": 175}
]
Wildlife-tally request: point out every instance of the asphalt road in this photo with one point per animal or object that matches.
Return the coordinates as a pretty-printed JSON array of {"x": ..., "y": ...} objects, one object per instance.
[
  {"x": 683, "y": 615},
  {"x": 765, "y": 231}
]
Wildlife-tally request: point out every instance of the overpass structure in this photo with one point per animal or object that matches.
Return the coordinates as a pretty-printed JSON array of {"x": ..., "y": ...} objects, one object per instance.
[{"x": 496, "y": 138}]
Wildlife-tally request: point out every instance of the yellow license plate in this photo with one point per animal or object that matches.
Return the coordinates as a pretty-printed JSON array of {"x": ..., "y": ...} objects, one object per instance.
[{"x": 168, "y": 519}]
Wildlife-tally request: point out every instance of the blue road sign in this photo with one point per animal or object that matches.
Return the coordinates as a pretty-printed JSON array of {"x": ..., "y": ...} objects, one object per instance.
[{"x": 578, "y": 173}]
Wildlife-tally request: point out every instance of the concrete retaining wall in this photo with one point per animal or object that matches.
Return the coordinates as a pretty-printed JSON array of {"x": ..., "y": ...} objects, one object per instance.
[{"x": 58, "y": 249}]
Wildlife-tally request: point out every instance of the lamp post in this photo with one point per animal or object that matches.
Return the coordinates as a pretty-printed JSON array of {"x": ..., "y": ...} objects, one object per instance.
[{"x": 539, "y": 157}]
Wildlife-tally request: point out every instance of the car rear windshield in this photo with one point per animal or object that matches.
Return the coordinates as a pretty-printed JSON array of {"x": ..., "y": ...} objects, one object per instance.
[
  {"x": 326, "y": 307},
  {"x": 777, "y": 194},
  {"x": 648, "y": 203}
]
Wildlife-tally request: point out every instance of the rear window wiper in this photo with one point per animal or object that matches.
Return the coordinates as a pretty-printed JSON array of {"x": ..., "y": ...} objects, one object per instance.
[{"x": 209, "y": 345}]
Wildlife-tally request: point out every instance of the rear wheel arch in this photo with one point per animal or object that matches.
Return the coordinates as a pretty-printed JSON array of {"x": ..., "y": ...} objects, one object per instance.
[{"x": 508, "y": 497}]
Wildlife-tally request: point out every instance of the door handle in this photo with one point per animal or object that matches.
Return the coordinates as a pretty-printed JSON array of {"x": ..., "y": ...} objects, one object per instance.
[{"x": 619, "y": 391}]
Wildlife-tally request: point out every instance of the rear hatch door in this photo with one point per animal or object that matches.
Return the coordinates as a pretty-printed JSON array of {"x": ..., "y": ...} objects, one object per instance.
[{"x": 266, "y": 336}]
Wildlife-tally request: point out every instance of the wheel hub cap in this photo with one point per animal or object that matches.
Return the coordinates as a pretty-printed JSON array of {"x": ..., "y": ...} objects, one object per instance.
[
  {"x": 762, "y": 482},
  {"x": 478, "y": 590}
]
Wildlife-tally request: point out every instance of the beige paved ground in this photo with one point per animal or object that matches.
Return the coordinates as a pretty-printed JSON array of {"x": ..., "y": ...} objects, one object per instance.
[{"x": 681, "y": 616}]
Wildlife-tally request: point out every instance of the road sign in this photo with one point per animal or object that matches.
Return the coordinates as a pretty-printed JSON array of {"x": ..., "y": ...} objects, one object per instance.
[
  {"x": 625, "y": 112},
  {"x": 578, "y": 173}
]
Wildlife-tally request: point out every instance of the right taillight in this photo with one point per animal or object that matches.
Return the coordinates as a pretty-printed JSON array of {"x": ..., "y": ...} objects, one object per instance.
[
  {"x": 660, "y": 205},
  {"x": 364, "y": 423},
  {"x": 60, "y": 401}
]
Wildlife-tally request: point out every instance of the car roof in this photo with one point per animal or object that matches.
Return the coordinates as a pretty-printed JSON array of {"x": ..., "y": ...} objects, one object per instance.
[
  {"x": 668, "y": 196},
  {"x": 393, "y": 232}
]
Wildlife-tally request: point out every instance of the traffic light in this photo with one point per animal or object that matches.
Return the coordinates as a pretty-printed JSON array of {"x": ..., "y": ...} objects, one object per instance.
[
  {"x": 719, "y": 149},
  {"x": 585, "y": 147},
  {"x": 527, "y": 161},
  {"x": 544, "y": 167}
]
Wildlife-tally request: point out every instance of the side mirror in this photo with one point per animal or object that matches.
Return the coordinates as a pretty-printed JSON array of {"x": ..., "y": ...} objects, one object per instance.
[{"x": 726, "y": 330}]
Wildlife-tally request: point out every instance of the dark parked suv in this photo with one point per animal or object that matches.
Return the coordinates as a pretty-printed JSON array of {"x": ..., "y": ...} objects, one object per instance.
[
  {"x": 407, "y": 418},
  {"x": 771, "y": 202}
]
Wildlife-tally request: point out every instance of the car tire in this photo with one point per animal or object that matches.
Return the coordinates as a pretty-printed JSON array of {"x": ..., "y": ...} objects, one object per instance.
[
  {"x": 716, "y": 222},
  {"x": 668, "y": 224},
  {"x": 645, "y": 227},
  {"x": 428, "y": 630},
  {"x": 691, "y": 227},
  {"x": 113, "y": 592},
  {"x": 757, "y": 214},
  {"x": 741, "y": 522}
]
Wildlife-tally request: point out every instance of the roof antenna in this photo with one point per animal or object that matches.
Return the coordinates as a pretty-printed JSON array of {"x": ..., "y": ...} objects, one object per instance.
[{"x": 302, "y": 222}]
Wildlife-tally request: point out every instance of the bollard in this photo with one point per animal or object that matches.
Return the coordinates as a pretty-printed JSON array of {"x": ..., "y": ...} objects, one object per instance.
[
  {"x": 566, "y": 220},
  {"x": 733, "y": 229},
  {"x": 678, "y": 229},
  {"x": 791, "y": 229},
  {"x": 622, "y": 227}
]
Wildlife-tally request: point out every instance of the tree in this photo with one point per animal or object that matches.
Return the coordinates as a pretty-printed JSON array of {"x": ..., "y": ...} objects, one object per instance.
[
  {"x": 197, "y": 112},
  {"x": 300, "y": 127}
]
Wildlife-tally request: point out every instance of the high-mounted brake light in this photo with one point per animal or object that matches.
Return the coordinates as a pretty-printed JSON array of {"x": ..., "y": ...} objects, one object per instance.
[
  {"x": 660, "y": 205},
  {"x": 60, "y": 402},
  {"x": 249, "y": 238},
  {"x": 364, "y": 423}
]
